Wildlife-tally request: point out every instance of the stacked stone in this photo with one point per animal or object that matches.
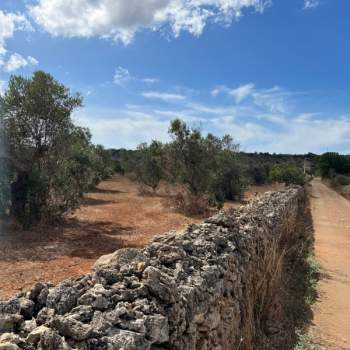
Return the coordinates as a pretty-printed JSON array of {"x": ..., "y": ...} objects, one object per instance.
[{"x": 182, "y": 291}]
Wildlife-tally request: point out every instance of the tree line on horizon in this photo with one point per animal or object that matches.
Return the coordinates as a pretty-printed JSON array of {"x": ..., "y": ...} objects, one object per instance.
[{"x": 48, "y": 163}]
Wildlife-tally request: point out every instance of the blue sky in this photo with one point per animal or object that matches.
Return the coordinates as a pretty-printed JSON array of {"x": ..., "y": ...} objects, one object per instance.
[{"x": 273, "y": 74}]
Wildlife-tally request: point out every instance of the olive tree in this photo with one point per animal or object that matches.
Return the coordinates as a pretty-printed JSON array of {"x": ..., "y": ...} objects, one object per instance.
[
  {"x": 39, "y": 138},
  {"x": 205, "y": 165},
  {"x": 149, "y": 170}
]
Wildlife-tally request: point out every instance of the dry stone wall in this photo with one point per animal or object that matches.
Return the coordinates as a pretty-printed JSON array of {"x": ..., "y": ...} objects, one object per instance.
[{"x": 203, "y": 289}]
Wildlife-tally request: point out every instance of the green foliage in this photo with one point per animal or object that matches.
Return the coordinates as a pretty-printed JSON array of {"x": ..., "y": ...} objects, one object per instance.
[
  {"x": 288, "y": 174},
  {"x": 6, "y": 177},
  {"x": 149, "y": 170},
  {"x": 312, "y": 274},
  {"x": 190, "y": 155},
  {"x": 257, "y": 166},
  {"x": 227, "y": 181},
  {"x": 332, "y": 163},
  {"x": 205, "y": 165},
  {"x": 306, "y": 343},
  {"x": 50, "y": 161}
]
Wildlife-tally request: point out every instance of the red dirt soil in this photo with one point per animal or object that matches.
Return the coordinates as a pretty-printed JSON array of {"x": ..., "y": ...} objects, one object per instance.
[{"x": 113, "y": 216}]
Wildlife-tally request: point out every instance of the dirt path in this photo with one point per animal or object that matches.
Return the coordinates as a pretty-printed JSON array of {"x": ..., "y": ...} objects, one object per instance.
[{"x": 331, "y": 215}]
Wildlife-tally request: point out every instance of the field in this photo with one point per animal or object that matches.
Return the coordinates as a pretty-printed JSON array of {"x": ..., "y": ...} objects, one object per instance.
[{"x": 113, "y": 216}]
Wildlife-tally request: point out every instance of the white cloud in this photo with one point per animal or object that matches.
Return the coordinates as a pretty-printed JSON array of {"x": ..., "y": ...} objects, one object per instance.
[
  {"x": 125, "y": 129},
  {"x": 312, "y": 135},
  {"x": 16, "y": 61},
  {"x": 121, "y": 76},
  {"x": 239, "y": 94},
  {"x": 257, "y": 124},
  {"x": 168, "y": 97},
  {"x": 310, "y": 4},
  {"x": 274, "y": 99},
  {"x": 121, "y": 19},
  {"x": 9, "y": 24},
  {"x": 150, "y": 80}
]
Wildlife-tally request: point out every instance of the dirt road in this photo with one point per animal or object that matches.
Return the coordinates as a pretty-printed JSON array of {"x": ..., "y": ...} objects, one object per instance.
[{"x": 331, "y": 216}]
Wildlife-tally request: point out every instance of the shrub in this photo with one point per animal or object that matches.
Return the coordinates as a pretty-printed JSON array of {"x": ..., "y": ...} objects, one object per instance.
[
  {"x": 188, "y": 203},
  {"x": 342, "y": 180},
  {"x": 288, "y": 174},
  {"x": 333, "y": 163}
]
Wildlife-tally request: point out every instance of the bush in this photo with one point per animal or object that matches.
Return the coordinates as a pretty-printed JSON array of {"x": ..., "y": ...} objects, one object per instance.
[
  {"x": 188, "y": 203},
  {"x": 50, "y": 162},
  {"x": 288, "y": 174},
  {"x": 342, "y": 180},
  {"x": 331, "y": 163}
]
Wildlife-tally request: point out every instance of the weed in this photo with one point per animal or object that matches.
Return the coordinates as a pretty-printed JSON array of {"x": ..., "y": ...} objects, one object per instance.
[
  {"x": 312, "y": 275},
  {"x": 306, "y": 343}
]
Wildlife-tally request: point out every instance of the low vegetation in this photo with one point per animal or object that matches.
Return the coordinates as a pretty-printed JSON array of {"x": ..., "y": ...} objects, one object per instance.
[
  {"x": 288, "y": 174},
  {"x": 335, "y": 170},
  {"x": 312, "y": 275},
  {"x": 306, "y": 343}
]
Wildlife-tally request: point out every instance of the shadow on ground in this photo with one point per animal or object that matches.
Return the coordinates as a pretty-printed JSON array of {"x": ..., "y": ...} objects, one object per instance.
[{"x": 73, "y": 237}]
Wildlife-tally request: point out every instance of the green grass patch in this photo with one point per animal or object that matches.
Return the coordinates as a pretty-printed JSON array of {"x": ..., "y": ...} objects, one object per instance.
[{"x": 312, "y": 276}]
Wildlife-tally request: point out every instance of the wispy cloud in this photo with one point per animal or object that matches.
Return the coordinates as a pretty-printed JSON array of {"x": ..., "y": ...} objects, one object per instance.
[
  {"x": 310, "y": 4},
  {"x": 123, "y": 129},
  {"x": 239, "y": 94},
  {"x": 150, "y": 80},
  {"x": 122, "y": 77},
  {"x": 273, "y": 99},
  {"x": 256, "y": 126},
  {"x": 164, "y": 96}
]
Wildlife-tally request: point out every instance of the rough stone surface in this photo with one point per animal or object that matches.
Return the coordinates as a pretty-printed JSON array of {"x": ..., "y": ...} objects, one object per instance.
[{"x": 198, "y": 290}]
